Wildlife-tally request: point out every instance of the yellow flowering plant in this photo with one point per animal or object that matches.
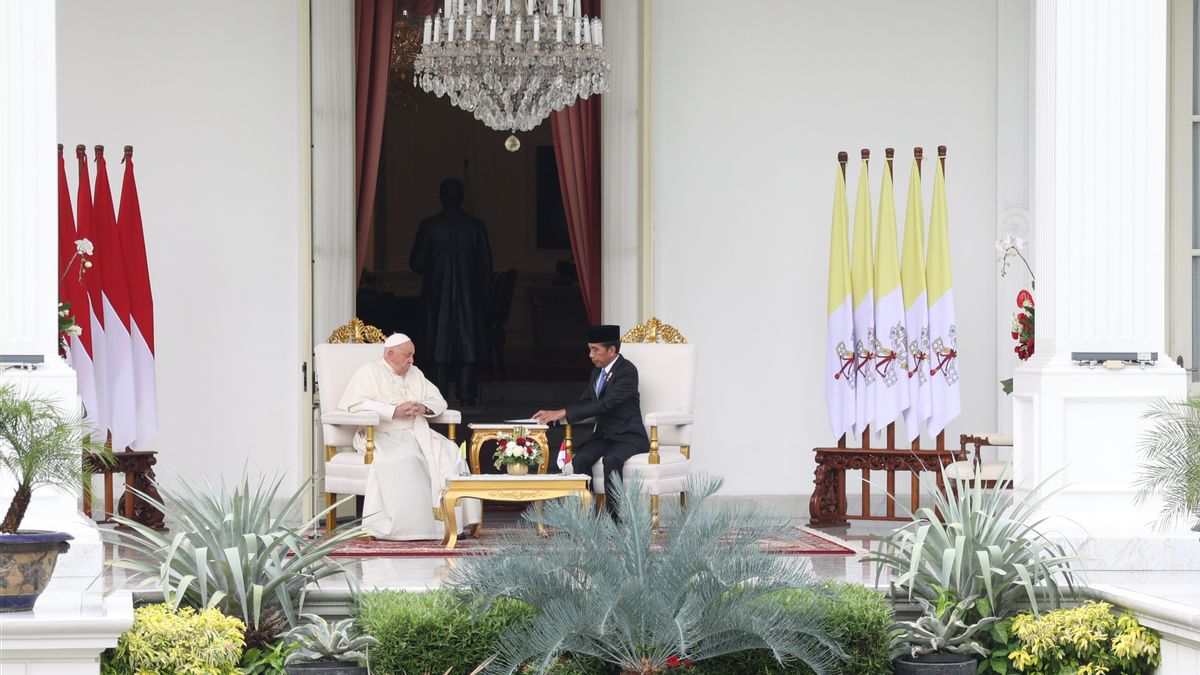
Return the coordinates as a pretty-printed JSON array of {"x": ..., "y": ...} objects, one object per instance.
[
  {"x": 163, "y": 640},
  {"x": 1086, "y": 640}
]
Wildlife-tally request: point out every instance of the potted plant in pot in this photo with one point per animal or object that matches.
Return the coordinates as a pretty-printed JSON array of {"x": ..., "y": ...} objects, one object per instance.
[
  {"x": 940, "y": 642},
  {"x": 325, "y": 648},
  {"x": 39, "y": 446}
]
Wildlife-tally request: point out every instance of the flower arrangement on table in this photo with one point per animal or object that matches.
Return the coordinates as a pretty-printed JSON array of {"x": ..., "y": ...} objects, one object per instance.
[
  {"x": 518, "y": 451},
  {"x": 1022, "y": 320},
  {"x": 67, "y": 325}
]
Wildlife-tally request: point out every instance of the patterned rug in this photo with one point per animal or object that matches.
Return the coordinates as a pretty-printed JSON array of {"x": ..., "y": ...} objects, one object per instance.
[{"x": 803, "y": 542}]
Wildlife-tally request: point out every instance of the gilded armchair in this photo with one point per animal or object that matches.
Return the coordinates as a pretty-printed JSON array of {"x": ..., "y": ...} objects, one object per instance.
[
  {"x": 349, "y": 348},
  {"x": 666, "y": 366}
]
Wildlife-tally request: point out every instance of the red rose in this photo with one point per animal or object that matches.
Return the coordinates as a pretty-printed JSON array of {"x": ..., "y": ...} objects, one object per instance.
[
  {"x": 1024, "y": 297},
  {"x": 1014, "y": 335}
]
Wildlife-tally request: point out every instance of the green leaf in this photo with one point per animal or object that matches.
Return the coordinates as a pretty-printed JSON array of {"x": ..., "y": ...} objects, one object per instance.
[
  {"x": 999, "y": 665},
  {"x": 1007, "y": 385}
]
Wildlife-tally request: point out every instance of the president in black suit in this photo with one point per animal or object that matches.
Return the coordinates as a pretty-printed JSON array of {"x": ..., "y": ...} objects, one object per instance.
[{"x": 612, "y": 399}]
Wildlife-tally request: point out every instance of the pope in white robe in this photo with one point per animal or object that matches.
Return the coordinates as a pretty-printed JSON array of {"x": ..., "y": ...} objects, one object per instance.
[{"x": 412, "y": 461}]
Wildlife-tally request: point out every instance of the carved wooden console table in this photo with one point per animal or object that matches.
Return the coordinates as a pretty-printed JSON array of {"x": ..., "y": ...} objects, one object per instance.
[
  {"x": 827, "y": 506},
  {"x": 138, "y": 467}
]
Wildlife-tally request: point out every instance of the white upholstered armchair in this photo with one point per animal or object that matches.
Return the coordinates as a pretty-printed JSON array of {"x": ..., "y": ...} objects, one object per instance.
[
  {"x": 667, "y": 378},
  {"x": 348, "y": 349}
]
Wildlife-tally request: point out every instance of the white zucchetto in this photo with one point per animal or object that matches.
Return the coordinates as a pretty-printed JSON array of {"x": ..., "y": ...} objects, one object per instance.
[{"x": 395, "y": 340}]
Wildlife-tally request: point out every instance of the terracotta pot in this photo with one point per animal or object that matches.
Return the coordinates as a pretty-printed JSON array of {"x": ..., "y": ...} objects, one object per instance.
[
  {"x": 27, "y": 561},
  {"x": 517, "y": 469},
  {"x": 936, "y": 664}
]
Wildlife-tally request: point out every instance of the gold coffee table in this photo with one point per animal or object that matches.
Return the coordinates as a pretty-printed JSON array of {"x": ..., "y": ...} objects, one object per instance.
[
  {"x": 506, "y": 488},
  {"x": 482, "y": 433}
]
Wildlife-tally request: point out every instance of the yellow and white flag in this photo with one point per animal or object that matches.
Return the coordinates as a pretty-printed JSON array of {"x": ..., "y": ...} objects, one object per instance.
[
  {"x": 943, "y": 333},
  {"x": 839, "y": 343},
  {"x": 890, "y": 345},
  {"x": 862, "y": 282},
  {"x": 916, "y": 309}
]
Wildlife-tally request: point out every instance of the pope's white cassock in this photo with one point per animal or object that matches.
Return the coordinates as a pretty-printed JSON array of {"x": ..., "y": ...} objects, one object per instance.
[{"x": 412, "y": 461}]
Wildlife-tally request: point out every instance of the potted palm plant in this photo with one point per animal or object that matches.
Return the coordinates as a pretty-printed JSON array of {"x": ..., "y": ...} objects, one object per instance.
[
  {"x": 39, "y": 446},
  {"x": 1171, "y": 469},
  {"x": 325, "y": 648}
]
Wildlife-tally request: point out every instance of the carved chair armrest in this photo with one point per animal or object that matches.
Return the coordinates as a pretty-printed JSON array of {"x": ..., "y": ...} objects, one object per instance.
[{"x": 369, "y": 420}]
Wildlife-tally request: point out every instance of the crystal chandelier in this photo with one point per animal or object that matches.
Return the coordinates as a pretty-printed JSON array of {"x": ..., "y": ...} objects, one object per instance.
[{"x": 512, "y": 66}]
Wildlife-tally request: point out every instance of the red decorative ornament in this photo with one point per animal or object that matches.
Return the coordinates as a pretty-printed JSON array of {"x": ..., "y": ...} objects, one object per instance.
[{"x": 1022, "y": 326}]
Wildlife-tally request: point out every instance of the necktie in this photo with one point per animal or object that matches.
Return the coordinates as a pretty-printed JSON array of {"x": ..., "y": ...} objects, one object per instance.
[{"x": 600, "y": 383}]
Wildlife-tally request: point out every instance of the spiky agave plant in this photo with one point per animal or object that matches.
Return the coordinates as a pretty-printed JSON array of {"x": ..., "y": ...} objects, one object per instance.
[
  {"x": 944, "y": 631},
  {"x": 701, "y": 587},
  {"x": 228, "y": 551},
  {"x": 318, "y": 640},
  {"x": 1171, "y": 450}
]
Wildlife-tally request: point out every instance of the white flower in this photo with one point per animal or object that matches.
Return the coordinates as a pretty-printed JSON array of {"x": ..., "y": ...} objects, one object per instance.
[
  {"x": 75, "y": 330},
  {"x": 84, "y": 246},
  {"x": 87, "y": 263},
  {"x": 1018, "y": 243}
]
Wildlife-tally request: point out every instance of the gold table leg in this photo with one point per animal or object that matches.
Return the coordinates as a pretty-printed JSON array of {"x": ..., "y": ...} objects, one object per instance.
[{"x": 449, "y": 502}]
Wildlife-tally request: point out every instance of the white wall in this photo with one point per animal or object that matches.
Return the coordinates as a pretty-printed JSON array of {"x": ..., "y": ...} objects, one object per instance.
[
  {"x": 209, "y": 95},
  {"x": 747, "y": 118}
]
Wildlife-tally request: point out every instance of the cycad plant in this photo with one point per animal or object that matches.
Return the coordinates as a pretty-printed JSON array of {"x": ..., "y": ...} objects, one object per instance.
[
  {"x": 982, "y": 543},
  {"x": 227, "y": 551},
  {"x": 701, "y": 587},
  {"x": 1171, "y": 450}
]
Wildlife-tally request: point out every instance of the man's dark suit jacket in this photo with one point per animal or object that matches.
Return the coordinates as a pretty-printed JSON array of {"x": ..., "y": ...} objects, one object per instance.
[{"x": 618, "y": 409}]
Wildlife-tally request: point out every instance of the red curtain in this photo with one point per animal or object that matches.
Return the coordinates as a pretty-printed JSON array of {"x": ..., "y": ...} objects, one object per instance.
[
  {"x": 576, "y": 132},
  {"x": 373, "y": 42}
]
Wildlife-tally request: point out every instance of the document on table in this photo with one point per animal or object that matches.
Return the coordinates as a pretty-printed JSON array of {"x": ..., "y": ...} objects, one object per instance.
[{"x": 528, "y": 421}]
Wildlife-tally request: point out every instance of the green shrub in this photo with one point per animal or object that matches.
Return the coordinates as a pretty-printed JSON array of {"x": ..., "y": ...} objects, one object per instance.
[
  {"x": 1088, "y": 639},
  {"x": 429, "y": 632},
  {"x": 163, "y": 640},
  {"x": 267, "y": 660},
  {"x": 858, "y": 618}
]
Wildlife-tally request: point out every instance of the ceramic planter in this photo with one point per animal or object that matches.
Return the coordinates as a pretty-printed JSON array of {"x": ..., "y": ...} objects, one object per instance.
[
  {"x": 27, "y": 562},
  {"x": 936, "y": 664},
  {"x": 327, "y": 668}
]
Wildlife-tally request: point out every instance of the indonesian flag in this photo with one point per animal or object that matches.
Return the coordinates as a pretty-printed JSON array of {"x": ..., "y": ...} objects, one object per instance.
[
  {"x": 862, "y": 283},
  {"x": 890, "y": 345},
  {"x": 839, "y": 341},
  {"x": 141, "y": 305},
  {"x": 118, "y": 343},
  {"x": 916, "y": 308},
  {"x": 84, "y": 214},
  {"x": 943, "y": 333},
  {"x": 71, "y": 290}
]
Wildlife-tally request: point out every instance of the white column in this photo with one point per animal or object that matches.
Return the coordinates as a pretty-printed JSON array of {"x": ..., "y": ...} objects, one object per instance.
[
  {"x": 620, "y": 174},
  {"x": 29, "y": 257},
  {"x": 334, "y": 274},
  {"x": 1099, "y": 235}
]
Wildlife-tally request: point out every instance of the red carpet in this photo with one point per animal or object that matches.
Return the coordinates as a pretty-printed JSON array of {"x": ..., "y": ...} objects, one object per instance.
[{"x": 803, "y": 542}]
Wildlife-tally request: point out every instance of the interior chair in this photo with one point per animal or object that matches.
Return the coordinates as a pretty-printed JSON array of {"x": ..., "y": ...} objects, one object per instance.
[
  {"x": 666, "y": 366},
  {"x": 499, "y": 306},
  {"x": 990, "y": 472},
  {"x": 347, "y": 349}
]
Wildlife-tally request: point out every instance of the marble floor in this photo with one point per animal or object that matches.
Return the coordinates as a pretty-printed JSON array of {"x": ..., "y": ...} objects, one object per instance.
[{"x": 421, "y": 573}]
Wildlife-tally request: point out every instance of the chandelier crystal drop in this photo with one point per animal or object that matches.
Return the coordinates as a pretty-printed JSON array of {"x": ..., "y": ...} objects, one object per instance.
[{"x": 512, "y": 62}]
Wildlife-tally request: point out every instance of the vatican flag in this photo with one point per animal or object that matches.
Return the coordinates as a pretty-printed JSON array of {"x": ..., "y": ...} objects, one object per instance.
[
  {"x": 943, "y": 333},
  {"x": 890, "y": 345},
  {"x": 916, "y": 309},
  {"x": 862, "y": 283},
  {"x": 839, "y": 343}
]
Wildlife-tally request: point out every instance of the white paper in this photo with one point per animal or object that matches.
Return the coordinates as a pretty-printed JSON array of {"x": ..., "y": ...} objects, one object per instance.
[{"x": 528, "y": 421}]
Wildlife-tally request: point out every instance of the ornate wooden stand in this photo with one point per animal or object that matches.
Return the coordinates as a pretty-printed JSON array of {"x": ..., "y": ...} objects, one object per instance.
[
  {"x": 827, "y": 507},
  {"x": 138, "y": 467}
]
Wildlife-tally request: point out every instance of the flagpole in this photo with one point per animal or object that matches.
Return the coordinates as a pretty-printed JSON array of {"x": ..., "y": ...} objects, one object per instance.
[
  {"x": 843, "y": 157},
  {"x": 889, "y": 153},
  {"x": 941, "y": 150},
  {"x": 918, "y": 155},
  {"x": 866, "y": 434}
]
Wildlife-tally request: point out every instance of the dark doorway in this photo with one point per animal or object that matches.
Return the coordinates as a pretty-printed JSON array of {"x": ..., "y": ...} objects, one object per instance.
[{"x": 536, "y": 311}]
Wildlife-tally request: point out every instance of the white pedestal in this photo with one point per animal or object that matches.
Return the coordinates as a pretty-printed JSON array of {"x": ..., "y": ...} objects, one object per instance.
[
  {"x": 65, "y": 633},
  {"x": 1078, "y": 430}
]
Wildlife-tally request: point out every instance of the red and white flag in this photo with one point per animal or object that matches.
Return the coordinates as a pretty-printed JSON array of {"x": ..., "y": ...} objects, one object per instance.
[
  {"x": 141, "y": 305},
  {"x": 85, "y": 228},
  {"x": 71, "y": 290},
  {"x": 118, "y": 343}
]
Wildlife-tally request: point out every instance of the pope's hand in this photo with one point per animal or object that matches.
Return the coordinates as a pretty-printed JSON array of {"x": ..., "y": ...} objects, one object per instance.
[
  {"x": 408, "y": 410},
  {"x": 548, "y": 416}
]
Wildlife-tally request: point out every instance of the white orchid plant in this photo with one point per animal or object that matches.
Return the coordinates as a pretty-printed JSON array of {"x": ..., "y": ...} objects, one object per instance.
[
  {"x": 67, "y": 327},
  {"x": 1022, "y": 320}
]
